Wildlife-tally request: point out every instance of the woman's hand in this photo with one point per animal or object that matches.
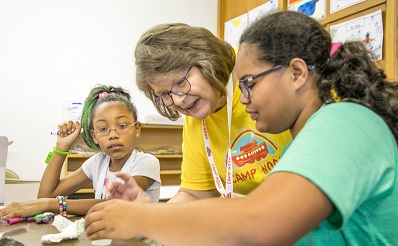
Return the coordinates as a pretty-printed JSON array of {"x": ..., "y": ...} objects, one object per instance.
[
  {"x": 129, "y": 190},
  {"x": 113, "y": 219},
  {"x": 26, "y": 208}
]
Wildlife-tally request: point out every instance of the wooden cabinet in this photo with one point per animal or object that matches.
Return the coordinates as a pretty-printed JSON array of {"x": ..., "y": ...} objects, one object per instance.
[
  {"x": 72, "y": 163},
  {"x": 155, "y": 139},
  {"x": 158, "y": 140}
]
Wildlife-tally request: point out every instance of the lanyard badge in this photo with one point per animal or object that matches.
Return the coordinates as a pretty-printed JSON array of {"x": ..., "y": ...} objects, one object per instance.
[{"x": 226, "y": 192}]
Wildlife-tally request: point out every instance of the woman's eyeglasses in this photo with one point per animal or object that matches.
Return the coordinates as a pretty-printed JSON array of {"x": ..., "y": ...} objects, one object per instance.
[
  {"x": 243, "y": 84},
  {"x": 120, "y": 129},
  {"x": 180, "y": 88}
]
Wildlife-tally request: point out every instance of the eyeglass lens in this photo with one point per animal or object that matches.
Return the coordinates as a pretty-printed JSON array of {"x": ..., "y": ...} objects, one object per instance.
[
  {"x": 180, "y": 88},
  {"x": 244, "y": 88},
  {"x": 120, "y": 129}
]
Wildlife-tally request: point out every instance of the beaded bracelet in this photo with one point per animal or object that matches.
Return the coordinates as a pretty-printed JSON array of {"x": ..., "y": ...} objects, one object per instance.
[{"x": 62, "y": 205}]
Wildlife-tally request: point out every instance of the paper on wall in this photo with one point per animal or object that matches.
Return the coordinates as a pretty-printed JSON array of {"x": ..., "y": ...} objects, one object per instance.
[{"x": 367, "y": 28}]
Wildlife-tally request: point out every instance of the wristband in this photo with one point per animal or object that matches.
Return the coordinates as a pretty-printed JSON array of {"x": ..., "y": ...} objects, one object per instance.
[
  {"x": 50, "y": 154},
  {"x": 48, "y": 158},
  {"x": 61, "y": 152}
]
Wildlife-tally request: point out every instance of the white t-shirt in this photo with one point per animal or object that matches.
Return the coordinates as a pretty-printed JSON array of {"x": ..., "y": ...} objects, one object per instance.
[{"x": 96, "y": 168}]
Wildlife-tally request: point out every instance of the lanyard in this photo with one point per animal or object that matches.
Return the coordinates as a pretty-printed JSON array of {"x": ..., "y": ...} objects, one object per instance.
[{"x": 226, "y": 192}]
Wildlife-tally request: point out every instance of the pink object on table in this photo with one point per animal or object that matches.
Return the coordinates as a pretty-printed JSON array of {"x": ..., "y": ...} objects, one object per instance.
[
  {"x": 13, "y": 220},
  {"x": 19, "y": 219}
]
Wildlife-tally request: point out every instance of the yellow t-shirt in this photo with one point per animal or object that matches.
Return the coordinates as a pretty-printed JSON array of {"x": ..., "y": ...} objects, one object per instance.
[{"x": 253, "y": 153}]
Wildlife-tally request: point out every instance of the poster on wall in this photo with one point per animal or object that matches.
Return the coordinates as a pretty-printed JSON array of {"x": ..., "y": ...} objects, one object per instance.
[
  {"x": 314, "y": 8},
  {"x": 264, "y": 9},
  {"x": 233, "y": 29},
  {"x": 367, "y": 28},
  {"x": 337, "y": 5}
]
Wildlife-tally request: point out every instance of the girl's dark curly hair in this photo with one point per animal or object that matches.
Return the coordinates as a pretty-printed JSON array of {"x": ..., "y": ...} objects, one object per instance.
[{"x": 350, "y": 72}]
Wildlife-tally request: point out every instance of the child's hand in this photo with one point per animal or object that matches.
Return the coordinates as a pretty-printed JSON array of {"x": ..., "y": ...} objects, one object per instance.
[
  {"x": 26, "y": 209},
  {"x": 68, "y": 132},
  {"x": 129, "y": 190}
]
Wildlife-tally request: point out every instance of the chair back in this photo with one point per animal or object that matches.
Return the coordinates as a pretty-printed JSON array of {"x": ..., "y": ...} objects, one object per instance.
[{"x": 3, "y": 160}]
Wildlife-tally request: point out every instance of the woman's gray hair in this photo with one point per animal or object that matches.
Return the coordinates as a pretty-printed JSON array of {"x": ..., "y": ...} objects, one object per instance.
[{"x": 168, "y": 49}]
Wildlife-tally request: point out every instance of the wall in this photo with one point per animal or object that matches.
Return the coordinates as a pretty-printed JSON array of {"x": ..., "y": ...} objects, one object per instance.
[
  {"x": 53, "y": 50},
  {"x": 20, "y": 191}
]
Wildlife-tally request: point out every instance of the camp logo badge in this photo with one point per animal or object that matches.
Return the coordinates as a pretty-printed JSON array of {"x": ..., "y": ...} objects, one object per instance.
[{"x": 250, "y": 147}]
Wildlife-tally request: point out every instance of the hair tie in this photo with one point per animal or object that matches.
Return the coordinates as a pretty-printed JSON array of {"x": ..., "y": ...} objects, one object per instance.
[
  {"x": 335, "y": 47},
  {"x": 102, "y": 95}
]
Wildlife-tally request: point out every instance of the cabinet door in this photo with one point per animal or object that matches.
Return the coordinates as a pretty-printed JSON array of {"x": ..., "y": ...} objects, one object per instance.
[{"x": 72, "y": 163}]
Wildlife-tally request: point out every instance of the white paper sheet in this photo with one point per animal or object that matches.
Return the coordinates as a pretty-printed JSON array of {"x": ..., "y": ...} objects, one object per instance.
[
  {"x": 233, "y": 29},
  {"x": 264, "y": 9},
  {"x": 337, "y": 5}
]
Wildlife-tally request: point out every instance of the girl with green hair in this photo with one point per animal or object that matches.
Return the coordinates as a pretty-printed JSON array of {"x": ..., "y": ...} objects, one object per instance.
[{"x": 110, "y": 126}]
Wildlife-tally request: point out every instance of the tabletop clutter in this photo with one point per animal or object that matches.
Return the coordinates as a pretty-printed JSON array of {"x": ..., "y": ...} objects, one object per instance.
[{"x": 67, "y": 229}]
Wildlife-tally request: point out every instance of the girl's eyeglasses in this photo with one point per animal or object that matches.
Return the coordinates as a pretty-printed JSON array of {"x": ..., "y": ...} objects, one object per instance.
[
  {"x": 120, "y": 129},
  {"x": 243, "y": 83}
]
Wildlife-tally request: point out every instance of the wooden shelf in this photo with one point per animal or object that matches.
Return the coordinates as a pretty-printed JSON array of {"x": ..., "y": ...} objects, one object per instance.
[
  {"x": 156, "y": 136},
  {"x": 152, "y": 126},
  {"x": 85, "y": 190},
  {"x": 165, "y": 172},
  {"x": 169, "y": 156}
]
